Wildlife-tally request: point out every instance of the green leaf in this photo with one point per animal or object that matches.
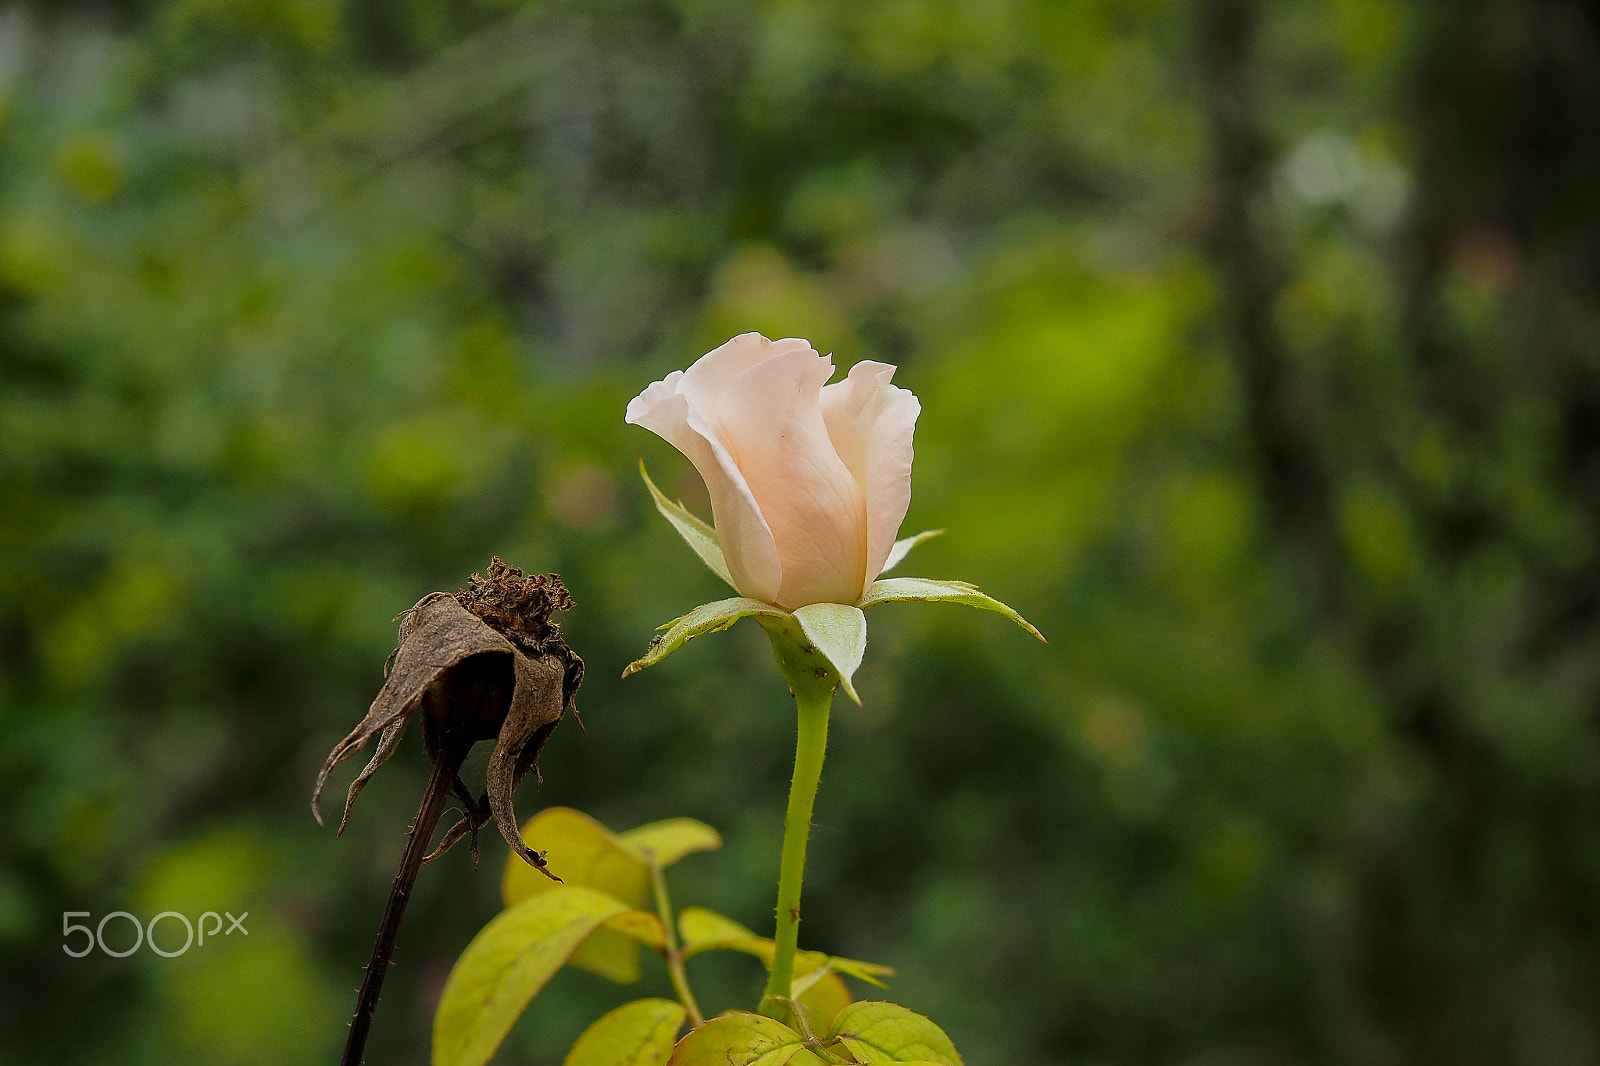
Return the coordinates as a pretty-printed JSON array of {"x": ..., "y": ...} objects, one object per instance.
[
  {"x": 640, "y": 1033},
  {"x": 701, "y": 537},
  {"x": 870, "y": 972},
  {"x": 506, "y": 965},
  {"x": 612, "y": 952},
  {"x": 582, "y": 852},
  {"x": 706, "y": 618},
  {"x": 664, "y": 843},
  {"x": 823, "y": 994},
  {"x": 585, "y": 853},
  {"x": 741, "y": 1039},
  {"x": 903, "y": 546},
  {"x": 591, "y": 856},
  {"x": 641, "y": 926},
  {"x": 887, "y": 1032},
  {"x": 701, "y": 929},
  {"x": 923, "y": 588},
  {"x": 702, "y": 925},
  {"x": 839, "y": 632}
]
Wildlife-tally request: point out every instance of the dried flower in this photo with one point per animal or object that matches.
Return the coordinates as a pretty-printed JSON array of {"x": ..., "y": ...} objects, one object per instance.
[{"x": 483, "y": 663}]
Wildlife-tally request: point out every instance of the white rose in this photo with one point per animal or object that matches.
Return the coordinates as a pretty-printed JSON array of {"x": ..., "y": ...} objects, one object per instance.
[{"x": 809, "y": 482}]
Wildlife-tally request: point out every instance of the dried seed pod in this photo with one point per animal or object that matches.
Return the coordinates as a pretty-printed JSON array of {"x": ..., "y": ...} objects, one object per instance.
[{"x": 485, "y": 663}]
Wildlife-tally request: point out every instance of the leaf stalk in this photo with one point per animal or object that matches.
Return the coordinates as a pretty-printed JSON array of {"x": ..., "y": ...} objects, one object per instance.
[{"x": 674, "y": 951}]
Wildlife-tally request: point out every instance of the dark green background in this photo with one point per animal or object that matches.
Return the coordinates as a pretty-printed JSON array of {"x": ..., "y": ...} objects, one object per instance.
[{"x": 1259, "y": 351}]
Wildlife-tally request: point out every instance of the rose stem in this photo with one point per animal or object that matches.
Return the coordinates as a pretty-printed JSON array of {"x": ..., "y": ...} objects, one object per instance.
[
  {"x": 674, "y": 953},
  {"x": 433, "y": 800},
  {"x": 812, "y": 702}
]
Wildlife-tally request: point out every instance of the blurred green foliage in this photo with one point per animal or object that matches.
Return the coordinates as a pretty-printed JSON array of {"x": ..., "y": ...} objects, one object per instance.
[{"x": 1258, "y": 353}]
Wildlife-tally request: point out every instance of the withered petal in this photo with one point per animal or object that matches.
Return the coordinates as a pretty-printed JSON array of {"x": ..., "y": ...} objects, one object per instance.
[
  {"x": 537, "y": 705},
  {"x": 450, "y": 840},
  {"x": 477, "y": 816},
  {"x": 445, "y": 634},
  {"x": 387, "y": 744}
]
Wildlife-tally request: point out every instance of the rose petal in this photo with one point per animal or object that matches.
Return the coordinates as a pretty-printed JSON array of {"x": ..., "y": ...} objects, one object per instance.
[
  {"x": 710, "y": 374},
  {"x": 870, "y": 423},
  {"x": 771, "y": 422},
  {"x": 747, "y": 542}
]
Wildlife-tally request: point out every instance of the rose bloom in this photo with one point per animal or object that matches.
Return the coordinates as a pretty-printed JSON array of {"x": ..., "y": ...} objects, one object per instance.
[{"x": 809, "y": 482}]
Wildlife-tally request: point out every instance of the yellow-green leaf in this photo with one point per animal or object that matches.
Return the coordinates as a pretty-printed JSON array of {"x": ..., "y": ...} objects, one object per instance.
[
  {"x": 581, "y": 852},
  {"x": 611, "y": 953},
  {"x": 706, "y": 930},
  {"x": 640, "y": 1033},
  {"x": 664, "y": 843},
  {"x": 641, "y": 926},
  {"x": 887, "y": 1032},
  {"x": 584, "y": 853},
  {"x": 823, "y": 994},
  {"x": 741, "y": 1039},
  {"x": 870, "y": 972},
  {"x": 506, "y": 965},
  {"x": 701, "y": 929}
]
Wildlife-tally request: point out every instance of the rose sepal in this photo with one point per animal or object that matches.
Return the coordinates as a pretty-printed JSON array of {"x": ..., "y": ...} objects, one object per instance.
[
  {"x": 700, "y": 537},
  {"x": 903, "y": 546},
  {"x": 893, "y": 589},
  {"x": 819, "y": 645},
  {"x": 711, "y": 617}
]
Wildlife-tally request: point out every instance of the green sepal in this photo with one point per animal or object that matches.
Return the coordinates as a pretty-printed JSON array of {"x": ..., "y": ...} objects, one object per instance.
[
  {"x": 700, "y": 537},
  {"x": 887, "y": 1032},
  {"x": 706, "y": 618},
  {"x": 903, "y": 546},
  {"x": 507, "y": 964},
  {"x": 819, "y": 645},
  {"x": 740, "y": 1039},
  {"x": 891, "y": 589},
  {"x": 640, "y": 1033}
]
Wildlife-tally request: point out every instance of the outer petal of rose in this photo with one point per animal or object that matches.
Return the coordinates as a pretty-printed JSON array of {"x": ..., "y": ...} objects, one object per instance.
[
  {"x": 870, "y": 422},
  {"x": 747, "y": 542},
  {"x": 710, "y": 374},
  {"x": 772, "y": 425}
]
